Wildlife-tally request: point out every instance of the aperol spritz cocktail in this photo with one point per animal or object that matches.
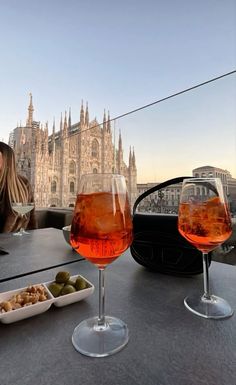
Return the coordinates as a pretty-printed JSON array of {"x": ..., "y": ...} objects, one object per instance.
[
  {"x": 204, "y": 220},
  {"x": 102, "y": 228},
  {"x": 101, "y": 231},
  {"x": 205, "y": 224}
]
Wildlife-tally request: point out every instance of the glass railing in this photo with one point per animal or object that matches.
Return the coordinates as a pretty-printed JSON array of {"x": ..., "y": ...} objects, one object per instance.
[{"x": 193, "y": 133}]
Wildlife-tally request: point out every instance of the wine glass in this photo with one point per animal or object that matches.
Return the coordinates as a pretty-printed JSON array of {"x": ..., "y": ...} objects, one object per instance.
[
  {"x": 22, "y": 209},
  {"x": 101, "y": 231},
  {"x": 204, "y": 220}
]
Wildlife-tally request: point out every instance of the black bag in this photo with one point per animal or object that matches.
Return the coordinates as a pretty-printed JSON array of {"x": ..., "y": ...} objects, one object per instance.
[{"x": 157, "y": 243}]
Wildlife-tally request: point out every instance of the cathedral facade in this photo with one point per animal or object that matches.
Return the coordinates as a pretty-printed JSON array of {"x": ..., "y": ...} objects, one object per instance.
[{"x": 54, "y": 163}]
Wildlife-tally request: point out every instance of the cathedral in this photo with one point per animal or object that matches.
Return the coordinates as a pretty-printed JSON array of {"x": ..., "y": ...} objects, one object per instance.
[{"x": 54, "y": 163}]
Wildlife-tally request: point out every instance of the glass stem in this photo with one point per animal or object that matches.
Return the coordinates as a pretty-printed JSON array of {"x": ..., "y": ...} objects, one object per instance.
[
  {"x": 101, "y": 315},
  {"x": 206, "y": 294},
  {"x": 21, "y": 231}
]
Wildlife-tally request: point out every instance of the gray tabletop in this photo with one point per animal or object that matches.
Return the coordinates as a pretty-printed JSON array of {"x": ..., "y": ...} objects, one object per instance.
[
  {"x": 39, "y": 250},
  {"x": 168, "y": 344}
]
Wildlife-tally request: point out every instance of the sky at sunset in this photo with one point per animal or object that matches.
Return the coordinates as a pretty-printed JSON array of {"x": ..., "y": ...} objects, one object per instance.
[{"x": 119, "y": 56}]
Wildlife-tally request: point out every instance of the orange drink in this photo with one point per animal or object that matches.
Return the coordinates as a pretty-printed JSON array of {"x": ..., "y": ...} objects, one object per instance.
[
  {"x": 102, "y": 227},
  {"x": 205, "y": 224}
]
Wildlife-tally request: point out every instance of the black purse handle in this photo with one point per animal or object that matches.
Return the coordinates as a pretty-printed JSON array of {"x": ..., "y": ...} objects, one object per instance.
[
  {"x": 158, "y": 187},
  {"x": 169, "y": 183}
]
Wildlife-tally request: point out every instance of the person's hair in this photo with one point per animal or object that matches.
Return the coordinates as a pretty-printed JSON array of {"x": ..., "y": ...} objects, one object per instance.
[{"x": 12, "y": 186}]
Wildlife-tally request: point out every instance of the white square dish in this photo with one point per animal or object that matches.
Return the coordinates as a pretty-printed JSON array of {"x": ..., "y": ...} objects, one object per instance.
[
  {"x": 26, "y": 311},
  {"x": 67, "y": 299}
]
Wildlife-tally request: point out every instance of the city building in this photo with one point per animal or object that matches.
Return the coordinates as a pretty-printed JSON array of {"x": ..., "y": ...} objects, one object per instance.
[
  {"x": 228, "y": 182},
  {"x": 54, "y": 163},
  {"x": 167, "y": 200},
  {"x": 214, "y": 172}
]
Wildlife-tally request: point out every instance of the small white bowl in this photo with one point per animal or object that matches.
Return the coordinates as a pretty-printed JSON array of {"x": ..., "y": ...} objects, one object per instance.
[
  {"x": 67, "y": 299},
  {"x": 66, "y": 233},
  {"x": 24, "y": 312}
]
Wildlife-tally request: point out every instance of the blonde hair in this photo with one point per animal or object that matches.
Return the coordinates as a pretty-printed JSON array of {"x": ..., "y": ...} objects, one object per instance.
[{"x": 12, "y": 186}]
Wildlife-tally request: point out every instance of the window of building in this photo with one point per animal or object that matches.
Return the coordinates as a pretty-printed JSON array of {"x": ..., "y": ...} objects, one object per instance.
[
  {"x": 72, "y": 187},
  {"x": 95, "y": 171},
  {"x": 54, "y": 186},
  {"x": 95, "y": 148}
]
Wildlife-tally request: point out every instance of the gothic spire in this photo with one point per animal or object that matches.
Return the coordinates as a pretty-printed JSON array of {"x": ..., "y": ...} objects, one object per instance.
[
  {"x": 104, "y": 121},
  {"x": 108, "y": 122},
  {"x": 65, "y": 125},
  {"x": 30, "y": 112},
  {"x": 130, "y": 157},
  {"x": 53, "y": 144},
  {"x": 82, "y": 114},
  {"x": 53, "y": 127},
  {"x": 46, "y": 138},
  {"x": 120, "y": 142},
  {"x": 46, "y": 128},
  {"x": 61, "y": 124},
  {"x": 69, "y": 119},
  {"x": 87, "y": 115},
  {"x": 53, "y": 130},
  {"x": 133, "y": 160}
]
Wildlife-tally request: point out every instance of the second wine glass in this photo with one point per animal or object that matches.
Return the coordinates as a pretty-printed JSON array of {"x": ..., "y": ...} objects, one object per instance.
[
  {"x": 204, "y": 220},
  {"x": 22, "y": 209},
  {"x": 101, "y": 231}
]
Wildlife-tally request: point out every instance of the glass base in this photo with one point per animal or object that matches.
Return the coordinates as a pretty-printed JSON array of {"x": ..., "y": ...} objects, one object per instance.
[
  {"x": 20, "y": 233},
  {"x": 100, "y": 341},
  {"x": 215, "y": 307}
]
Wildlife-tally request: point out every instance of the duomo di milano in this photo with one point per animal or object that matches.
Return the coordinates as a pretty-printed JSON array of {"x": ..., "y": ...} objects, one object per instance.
[{"x": 54, "y": 163}]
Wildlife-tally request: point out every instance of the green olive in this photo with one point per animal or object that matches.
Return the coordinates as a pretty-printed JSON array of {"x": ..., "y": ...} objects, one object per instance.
[
  {"x": 55, "y": 288},
  {"x": 62, "y": 277},
  {"x": 80, "y": 283},
  {"x": 68, "y": 289},
  {"x": 70, "y": 282}
]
